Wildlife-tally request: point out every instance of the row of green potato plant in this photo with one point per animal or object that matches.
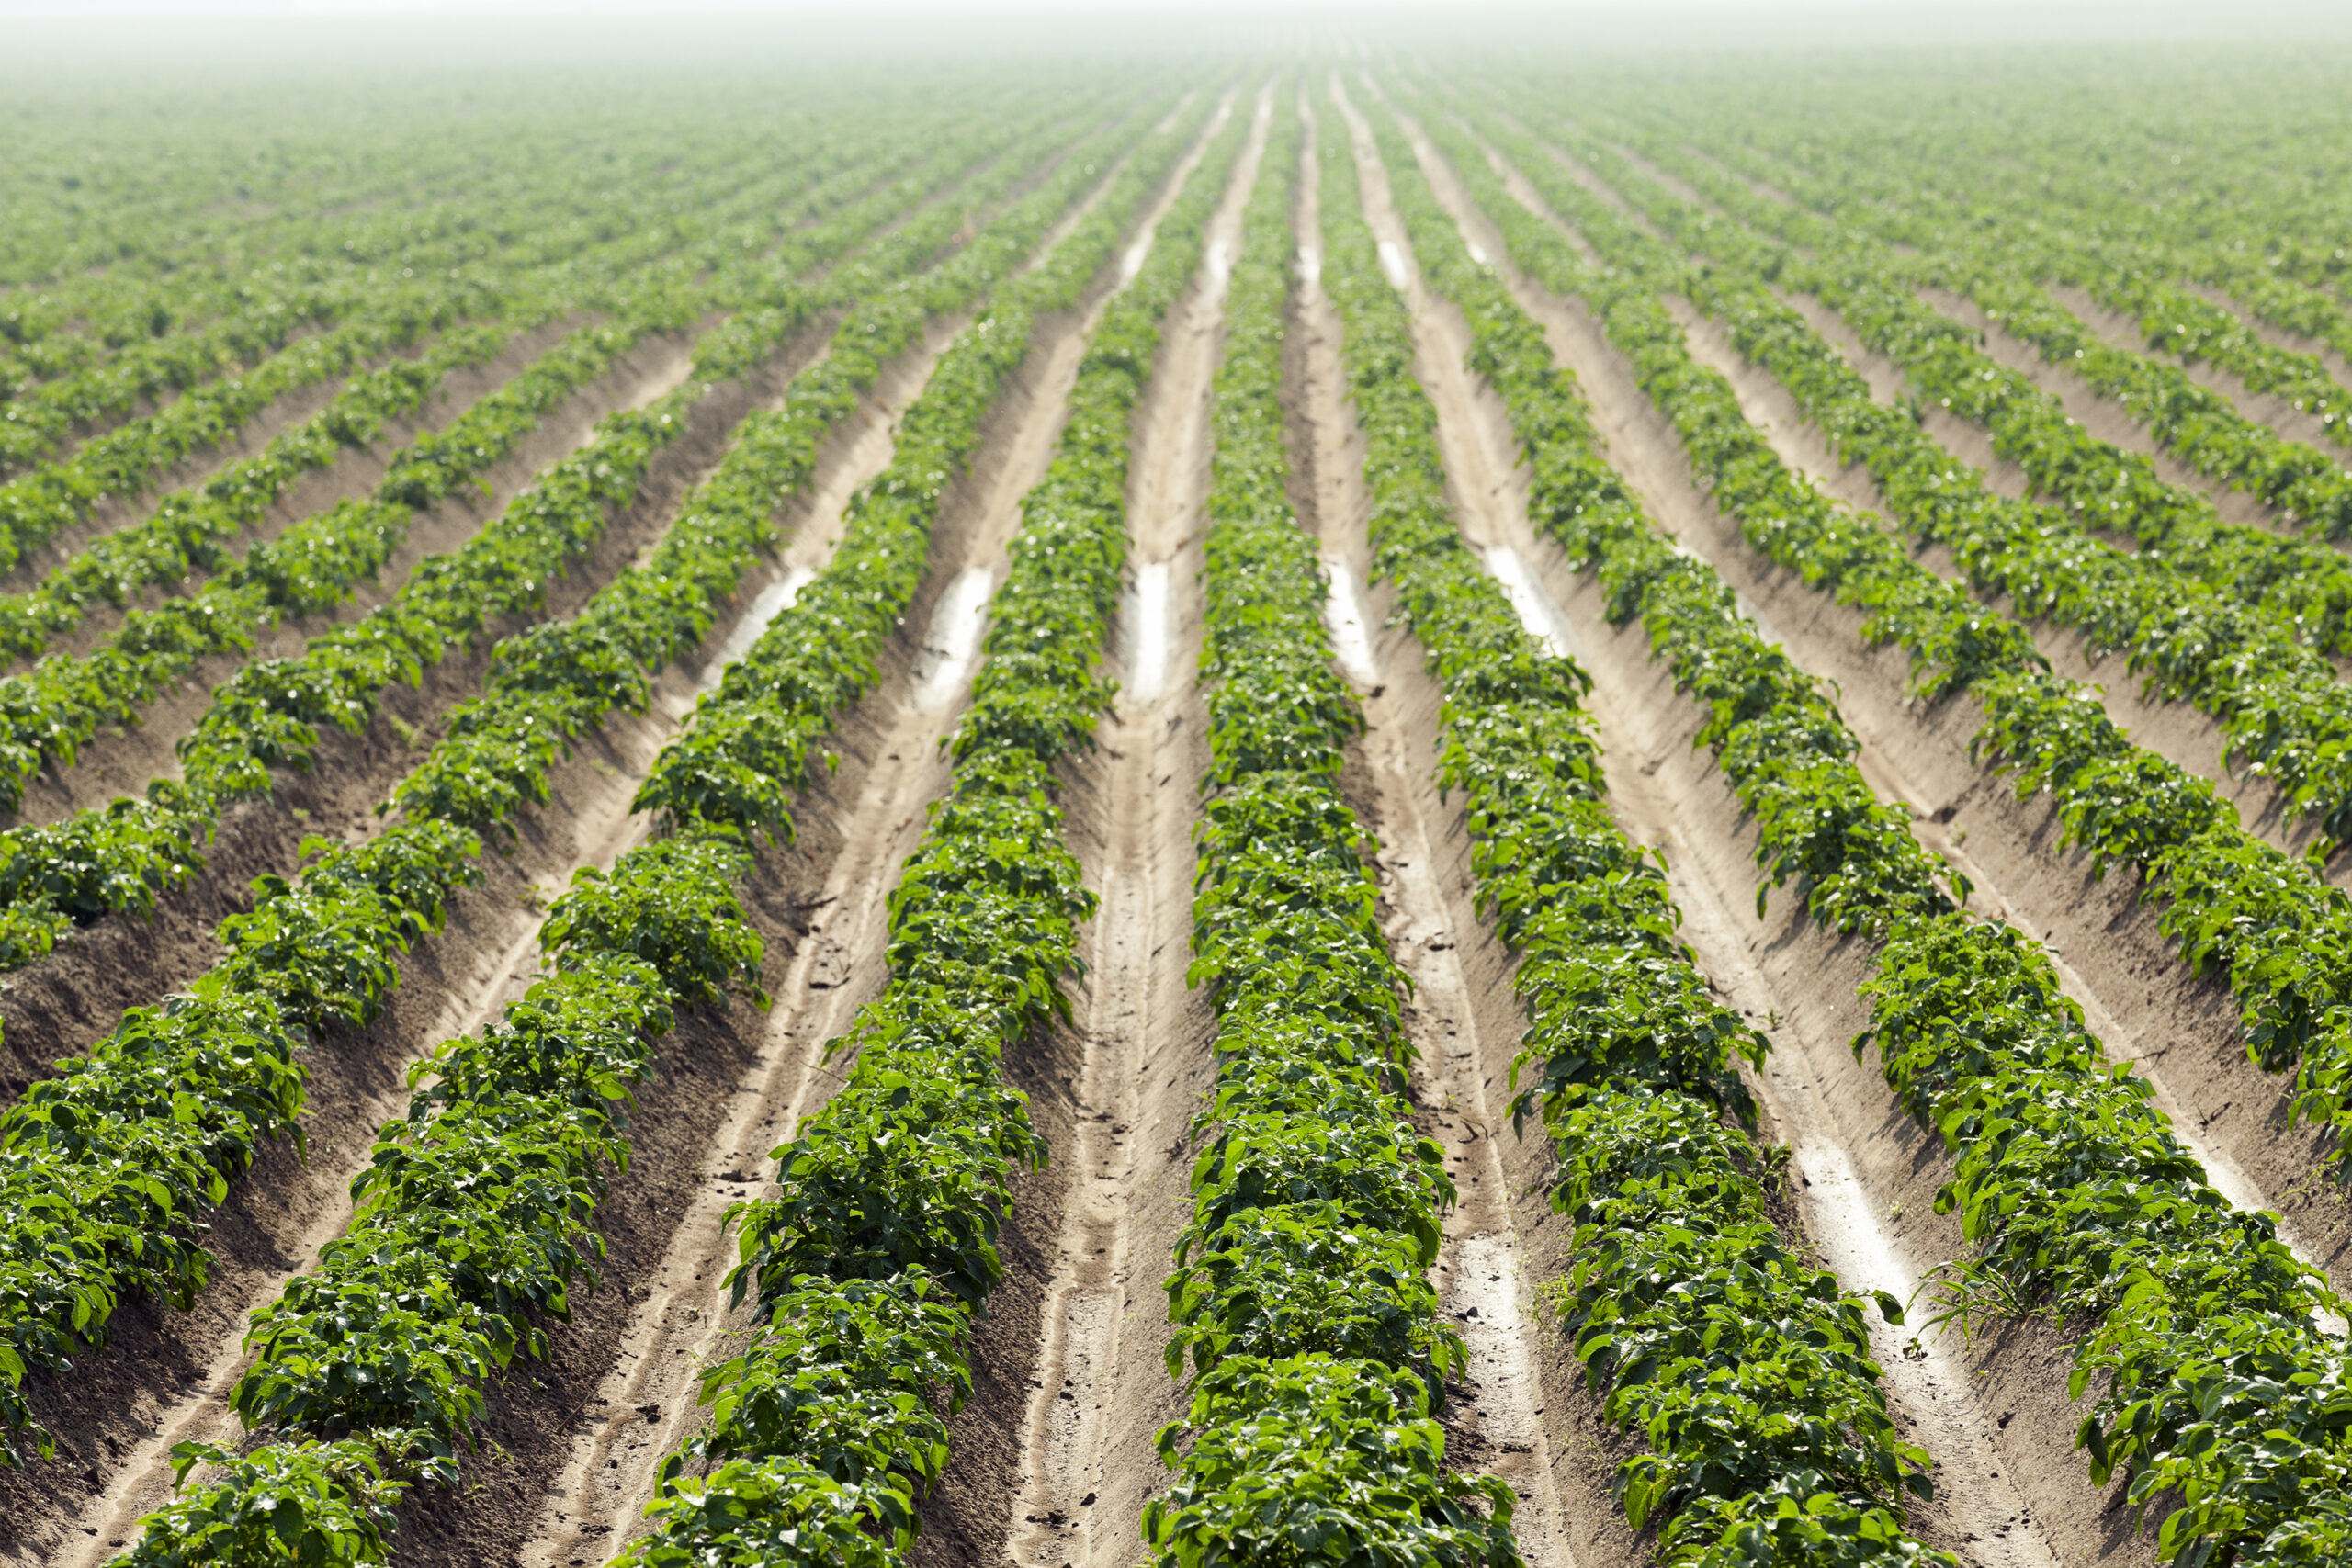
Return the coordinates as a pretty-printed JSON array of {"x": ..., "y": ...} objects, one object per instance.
[
  {"x": 1872, "y": 287},
  {"x": 225, "y": 197},
  {"x": 2199, "y": 424},
  {"x": 868, "y": 1260},
  {"x": 2218, "y": 1393},
  {"x": 1302, "y": 1296},
  {"x": 324, "y": 950},
  {"x": 2174, "y": 321},
  {"x": 2234, "y": 902},
  {"x": 123, "y": 857},
  {"x": 2243, "y": 652},
  {"x": 472, "y": 1226},
  {"x": 49, "y": 712},
  {"x": 396, "y": 1332},
  {"x": 2010, "y": 239},
  {"x": 307, "y": 262},
  {"x": 2282, "y": 710},
  {"x": 2099, "y": 232},
  {"x": 40, "y": 420},
  {"x": 38, "y": 504},
  {"x": 189, "y": 531},
  {"x": 37, "y": 422},
  {"x": 2109, "y": 488},
  {"x": 128, "y": 461},
  {"x": 1746, "y": 1368}
]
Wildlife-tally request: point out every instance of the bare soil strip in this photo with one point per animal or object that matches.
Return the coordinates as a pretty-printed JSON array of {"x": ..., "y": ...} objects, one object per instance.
[
  {"x": 2278, "y": 337},
  {"x": 1097, "y": 1388},
  {"x": 122, "y": 760},
  {"x": 355, "y": 473},
  {"x": 2106, "y": 419},
  {"x": 1461, "y": 1080},
  {"x": 164, "y": 1377},
  {"x": 2011, "y": 1487},
  {"x": 115, "y": 510},
  {"x": 594, "y": 1468},
  {"x": 2122, "y": 331}
]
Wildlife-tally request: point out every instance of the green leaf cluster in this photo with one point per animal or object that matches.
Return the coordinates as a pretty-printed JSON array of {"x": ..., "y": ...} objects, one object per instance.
[
  {"x": 322, "y": 950},
  {"x": 2075, "y": 1195},
  {"x": 270, "y": 713},
  {"x": 1745, "y": 1369},
  {"x": 2234, "y": 902},
  {"x": 868, "y": 1258},
  {"x": 1302, "y": 1297}
]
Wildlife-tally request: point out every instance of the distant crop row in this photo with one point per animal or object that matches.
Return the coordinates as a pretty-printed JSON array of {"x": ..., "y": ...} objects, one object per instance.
[
  {"x": 2214, "y": 1375},
  {"x": 874, "y": 1250},
  {"x": 269, "y": 714},
  {"x": 2236, "y": 904},
  {"x": 394, "y": 1334},
  {"x": 323, "y": 949}
]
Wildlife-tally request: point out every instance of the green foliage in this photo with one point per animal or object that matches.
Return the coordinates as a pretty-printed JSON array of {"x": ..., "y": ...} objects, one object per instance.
[
  {"x": 1301, "y": 1297},
  {"x": 2073, "y": 1194},
  {"x": 769, "y": 1513},
  {"x": 1308, "y": 1459},
  {"x": 435, "y": 1287},
  {"x": 867, "y": 1259},
  {"x": 1739, "y": 1364},
  {"x": 299, "y": 1505}
]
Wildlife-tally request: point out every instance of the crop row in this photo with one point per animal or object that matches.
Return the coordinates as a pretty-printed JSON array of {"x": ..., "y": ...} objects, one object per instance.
[
  {"x": 2233, "y": 902},
  {"x": 1747, "y": 1369},
  {"x": 1302, "y": 1297},
  {"x": 115, "y": 222},
  {"x": 350, "y": 316},
  {"x": 47, "y": 715},
  {"x": 867, "y": 1261},
  {"x": 2250, "y": 655},
  {"x": 189, "y": 532},
  {"x": 282, "y": 330},
  {"x": 536, "y": 1098},
  {"x": 423, "y": 202},
  {"x": 1998, "y": 266},
  {"x": 2216, "y": 1389},
  {"x": 668, "y": 901},
  {"x": 323, "y": 950},
  {"x": 2077, "y": 216},
  {"x": 562, "y": 278},
  {"x": 2104, "y": 487},
  {"x": 124, "y": 855}
]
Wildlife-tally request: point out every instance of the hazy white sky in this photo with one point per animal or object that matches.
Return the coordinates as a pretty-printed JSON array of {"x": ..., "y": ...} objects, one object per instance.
[{"x": 149, "y": 27}]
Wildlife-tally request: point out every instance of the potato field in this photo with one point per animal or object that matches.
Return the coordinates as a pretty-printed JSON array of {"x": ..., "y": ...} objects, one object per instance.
[{"x": 1325, "y": 805}]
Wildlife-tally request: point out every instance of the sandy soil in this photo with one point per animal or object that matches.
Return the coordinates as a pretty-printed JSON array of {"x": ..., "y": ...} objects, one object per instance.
[
  {"x": 1096, "y": 1390},
  {"x": 115, "y": 510},
  {"x": 162, "y": 1378},
  {"x": 1054, "y": 1455},
  {"x": 2012, "y": 1488},
  {"x": 2264, "y": 407},
  {"x": 2328, "y": 354},
  {"x": 589, "y": 1479},
  {"x": 354, "y": 474}
]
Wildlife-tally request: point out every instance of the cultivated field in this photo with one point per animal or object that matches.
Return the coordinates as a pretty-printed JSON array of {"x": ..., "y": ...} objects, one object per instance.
[{"x": 1332, "y": 809}]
